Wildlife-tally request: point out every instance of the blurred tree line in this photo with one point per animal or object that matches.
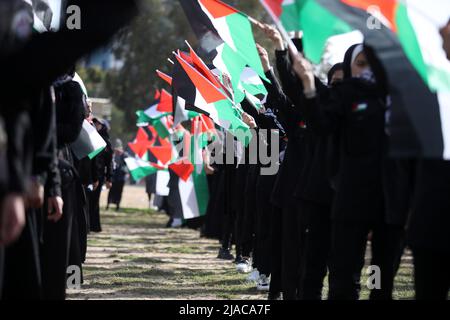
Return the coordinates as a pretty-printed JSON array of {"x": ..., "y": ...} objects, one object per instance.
[{"x": 144, "y": 46}]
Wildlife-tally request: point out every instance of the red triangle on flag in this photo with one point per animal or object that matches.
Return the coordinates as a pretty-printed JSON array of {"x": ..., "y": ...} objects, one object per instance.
[
  {"x": 203, "y": 68},
  {"x": 217, "y": 8},
  {"x": 209, "y": 92},
  {"x": 183, "y": 168},
  {"x": 164, "y": 77},
  {"x": 141, "y": 144},
  {"x": 186, "y": 57},
  {"x": 165, "y": 102}
]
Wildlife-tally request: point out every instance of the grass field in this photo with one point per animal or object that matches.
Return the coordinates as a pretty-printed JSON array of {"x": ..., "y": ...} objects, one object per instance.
[{"x": 135, "y": 257}]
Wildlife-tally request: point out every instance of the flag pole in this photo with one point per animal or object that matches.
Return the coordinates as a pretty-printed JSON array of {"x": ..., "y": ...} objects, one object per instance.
[{"x": 292, "y": 48}]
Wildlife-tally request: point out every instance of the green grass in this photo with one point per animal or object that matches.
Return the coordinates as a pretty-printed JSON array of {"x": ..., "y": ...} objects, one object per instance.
[{"x": 136, "y": 257}]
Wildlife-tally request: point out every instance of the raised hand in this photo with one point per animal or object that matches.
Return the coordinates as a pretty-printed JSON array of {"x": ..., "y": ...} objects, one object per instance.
[{"x": 265, "y": 61}]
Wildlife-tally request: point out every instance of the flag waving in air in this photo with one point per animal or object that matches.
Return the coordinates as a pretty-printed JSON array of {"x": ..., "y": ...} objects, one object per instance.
[
  {"x": 312, "y": 17},
  {"x": 226, "y": 37}
]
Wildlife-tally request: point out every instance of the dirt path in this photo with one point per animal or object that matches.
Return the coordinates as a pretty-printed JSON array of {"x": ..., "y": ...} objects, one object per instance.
[{"x": 135, "y": 257}]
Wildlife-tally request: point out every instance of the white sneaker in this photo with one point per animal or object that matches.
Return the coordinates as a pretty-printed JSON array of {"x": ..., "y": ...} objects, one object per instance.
[
  {"x": 244, "y": 266},
  {"x": 254, "y": 276},
  {"x": 176, "y": 223},
  {"x": 263, "y": 283}
]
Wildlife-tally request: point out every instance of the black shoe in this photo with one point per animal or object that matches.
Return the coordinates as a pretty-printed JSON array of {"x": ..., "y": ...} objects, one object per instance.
[
  {"x": 274, "y": 296},
  {"x": 225, "y": 254},
  {"x": 169, "y": 223}
]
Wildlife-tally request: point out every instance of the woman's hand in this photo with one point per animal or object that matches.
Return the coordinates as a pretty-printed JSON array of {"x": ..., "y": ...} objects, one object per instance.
[
  {"x": 274, "y": 35},
  {"x": 249, "y": 120},
  {"x": 12, "y": 218},
  {"x": 304, "y": 70},
  {"x": 264, "y": 56}
]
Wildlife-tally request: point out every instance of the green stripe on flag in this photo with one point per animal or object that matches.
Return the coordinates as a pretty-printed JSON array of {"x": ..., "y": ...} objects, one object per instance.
[{"x": 318, "y": 24}]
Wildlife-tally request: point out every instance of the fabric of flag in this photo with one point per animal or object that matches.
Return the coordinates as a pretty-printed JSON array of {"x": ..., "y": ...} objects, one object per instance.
[
  {"x": 198, "y": 91},
  {"x": 164, "y": 77},
  {"x": 225, "y": 37},
  {"x": 252, "y": 87},
  {"x": 190, "y": 193},
  {"x": 183, "y": 168},
  {"x": 163, "y": 151},
  {"x": 161, "y": 107},
  {"x": 89, "y": 143},
  {"x": 141, "y": 145},
  {"x": 140, "y": 168},
  {"x": 409, "y": 46},
  {"x": 313, "y": 18},
  {"x": 181, "y": 114}
]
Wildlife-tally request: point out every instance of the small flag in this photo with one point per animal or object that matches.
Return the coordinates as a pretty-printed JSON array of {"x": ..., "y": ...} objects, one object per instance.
[{"x": 89, "y": 143}]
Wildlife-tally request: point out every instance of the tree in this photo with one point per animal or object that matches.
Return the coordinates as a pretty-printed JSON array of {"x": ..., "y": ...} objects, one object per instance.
[{"x": 145, "y": 46}]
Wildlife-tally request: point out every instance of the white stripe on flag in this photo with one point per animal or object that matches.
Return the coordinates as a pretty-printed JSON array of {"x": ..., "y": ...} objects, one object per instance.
[
  {"x": 188, "y": 198},
  {"x": 162, "y": 182}
]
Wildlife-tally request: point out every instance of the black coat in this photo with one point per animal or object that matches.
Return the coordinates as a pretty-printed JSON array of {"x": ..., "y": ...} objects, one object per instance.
[
  {"x": 429, "y": 226},
  {"x": 355, "y": 111},
  {"x": 295, "y": 160}
]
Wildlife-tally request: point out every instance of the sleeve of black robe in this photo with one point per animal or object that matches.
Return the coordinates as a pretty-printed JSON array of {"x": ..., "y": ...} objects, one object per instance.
[{"x": 324, "y": 115}]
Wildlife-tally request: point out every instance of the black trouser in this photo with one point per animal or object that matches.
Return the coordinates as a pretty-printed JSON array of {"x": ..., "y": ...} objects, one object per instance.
[
  {"x": 56, "y": 248},
  {"x": 94, "y": 208},
  {"x": 431, "y": 274},
  {"x": 347, "y": 257},
  {"x": 276, "y": 234},
  {"x": 317, "y": 250},
  {"x": 264, "y": 211},
  {"x": 249, "y": 230},
  {"x": 292, "y": 249},
  {"x": 2, "y": 260},
  {"x": 22, "y": 273},
  {"x": 243, "y": 246}
]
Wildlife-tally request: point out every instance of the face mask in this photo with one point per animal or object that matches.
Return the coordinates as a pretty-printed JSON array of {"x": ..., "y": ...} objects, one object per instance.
[{"x": 367, "y": 74}]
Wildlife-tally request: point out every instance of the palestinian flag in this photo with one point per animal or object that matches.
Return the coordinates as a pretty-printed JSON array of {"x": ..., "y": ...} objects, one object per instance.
[
  {"x": 163, "y": 150},
  {"x": 141, "y": 145},
  {"x": 252, "y": 88},
  {"x": 140, "y": 168},
  {"x": 181, "y": 114},
  {"x": 313, "y": 17},
  {"x": 198, "y": 91},
  {"x": 89, "y": 143},
  {"x": 161, "y": 107},
  {"x": 164, "y": 77},
  {"x": 225, "y": 35},
  {"x": 189, "y": 192},
  {"x": 408, "y": 43}
]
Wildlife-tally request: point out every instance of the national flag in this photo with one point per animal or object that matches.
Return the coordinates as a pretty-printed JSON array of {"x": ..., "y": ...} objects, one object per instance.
[
  {"x": 141, "y": 144},
  {"x": 198, "y": 91},
  {"x": 140, "y": 168},
  {"x": 408, "y": 43},
  {"x": 164, "y": 77},
  {"x": 181, "y": 114},
  {"x": 190, "y": 192},
  {"x": 313, "y": 18},
  {"x": 225, "y": 35},
  {"x": 183, "y": 168},
  {"x": 89, "y": 143}
]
